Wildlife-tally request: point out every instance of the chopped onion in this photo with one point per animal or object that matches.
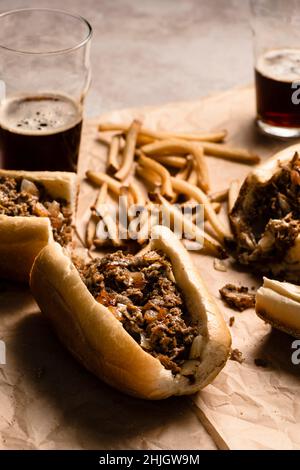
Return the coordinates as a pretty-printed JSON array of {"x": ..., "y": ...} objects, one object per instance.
[
  {"x": 29, "y": 187},
  {"x": 197, "y": 347},
  {"x": 54, "y": 208},
  {"x": 40, "y": 210},
  {"x": 145, "y": 342}
]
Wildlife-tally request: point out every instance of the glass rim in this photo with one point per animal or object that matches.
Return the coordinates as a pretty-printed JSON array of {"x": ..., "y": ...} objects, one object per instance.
[{"x": 83, "y": 42}]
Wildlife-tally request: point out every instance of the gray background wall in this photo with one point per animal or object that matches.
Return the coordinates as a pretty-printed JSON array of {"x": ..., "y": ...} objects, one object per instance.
[{"x": 148, "y": 52}]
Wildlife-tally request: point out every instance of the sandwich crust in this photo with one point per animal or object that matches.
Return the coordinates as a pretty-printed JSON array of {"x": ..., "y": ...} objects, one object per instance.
[
  {"x": 99, "y": 341},
  {"x": 278, "y": 303}
]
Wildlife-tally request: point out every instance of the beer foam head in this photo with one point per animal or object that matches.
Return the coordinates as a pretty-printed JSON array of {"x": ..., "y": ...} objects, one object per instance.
[
  {"x": 280, "y": 64},
  {"x": 40, "y": 114}
]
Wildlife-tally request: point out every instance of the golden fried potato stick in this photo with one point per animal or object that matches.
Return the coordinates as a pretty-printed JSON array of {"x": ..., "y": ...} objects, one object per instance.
[
  {"x": 126, "y": 198},
  {"x": 129, "y": 150},
  {"x": 195, "y": 193},
  {"x": 104, "y": 139},
  {"x": 233, "y": 193},
  {"x": 193, "y": 204},
  {"x": 170, "y": 160},
  {"x": 113, "y": 165},
  {"x": 165, "y": 147},
  {"x": 137, "y": 194},
  {"x": 193, "y": 178},
  {"x": 216, "y": 207},
  {"x": 99, "y": 178},
  {"x": 166, "y": 185},
  {"x": 150, "y": 176},
  {"x": 150, "y": 136},
  {"x": 148, "y": 220},
  {"x": 111, "y": 226},
  {"x": 230, "y": 153},
  {"x": 210, "y": 245},
  {"x": 185, "y": 172},
  {"x": 219, "y": 196},
  {"x": 90, "y": 232},
  {"x": 125, "y": 202}
]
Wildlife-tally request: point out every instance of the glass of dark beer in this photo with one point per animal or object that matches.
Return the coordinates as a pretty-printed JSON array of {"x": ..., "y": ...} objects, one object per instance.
[
  {"x": 276, "y": 28},
  {"x": 44, "y": 77}
]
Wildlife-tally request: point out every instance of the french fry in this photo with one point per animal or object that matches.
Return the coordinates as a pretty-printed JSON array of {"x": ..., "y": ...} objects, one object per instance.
[
  {"x": 193, "y": 177},
  {"x": 111, "y": 226},
  {"x": 172, "y": 146},
  {"x": 150, "y": 176},
  {"x": 148, "y": 220},
  {"x": 99, "y": 178},
  {"x": 233, "y": 193},
  {"x": 125, "y": 202},
  {"x": 166, "y": 185},
  {"x": 113, "y": 165},
  {"x": 201, "y": 170},
  {"x": 219, "y": 196},
  {"x": 126, "y": 198},
  {"x": 210, "y": 245},
  {"x": 137, "y": 194},
  {"x": 170, "y": 160},
  {"x": 195, "y": 193},
  {"x": 151, "y": 136},
  {"x": 184, "y": 173},
  {"x": 216, "y": 207},
  {"x": 129, "y": 150},
  {"x": 94, "y": 218},
  {"x": 104, "y": 139},
  {"x": 235, "y": 154}
]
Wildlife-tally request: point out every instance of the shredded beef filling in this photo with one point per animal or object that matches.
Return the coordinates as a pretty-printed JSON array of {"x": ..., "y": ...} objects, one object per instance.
[
  {"x": 271, "y": 224},
  {"x": 142, "y": 295},
  {"x": 238, "y": 298},
  {"x": 20, "y": 197}
]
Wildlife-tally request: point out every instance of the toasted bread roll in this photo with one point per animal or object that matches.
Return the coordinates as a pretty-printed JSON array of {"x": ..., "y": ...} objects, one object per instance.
[
  {"x": 278, "y": 303},
  {"x": 22, "y": 237},
  {"x": 100, "y": 342}
]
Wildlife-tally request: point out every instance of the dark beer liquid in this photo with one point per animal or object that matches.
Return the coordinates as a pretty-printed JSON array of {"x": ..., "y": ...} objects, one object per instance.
[
  {"x": 40, "y": 133},
  {"x": 274, "y": 75}
]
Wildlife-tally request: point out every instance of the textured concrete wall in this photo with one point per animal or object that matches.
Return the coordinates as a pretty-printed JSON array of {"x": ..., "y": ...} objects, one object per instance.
[{"x": 154, "y": 51}]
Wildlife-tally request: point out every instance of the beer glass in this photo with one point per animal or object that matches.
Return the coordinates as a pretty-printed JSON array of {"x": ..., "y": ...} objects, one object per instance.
[
  {"x": 276, "y": 30},
  {"x": 45, "y": 74}
]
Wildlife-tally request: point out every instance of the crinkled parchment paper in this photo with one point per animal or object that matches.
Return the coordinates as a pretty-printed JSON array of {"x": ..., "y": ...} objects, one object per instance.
[{"x": 48, "y": 401}]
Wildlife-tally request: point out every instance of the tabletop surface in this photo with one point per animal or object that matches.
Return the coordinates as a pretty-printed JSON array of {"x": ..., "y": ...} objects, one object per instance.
[{"x": 148, "y": 52}]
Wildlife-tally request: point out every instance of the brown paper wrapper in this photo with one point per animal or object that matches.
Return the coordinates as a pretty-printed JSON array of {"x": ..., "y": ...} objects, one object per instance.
[{"x": 48, "y": 401}]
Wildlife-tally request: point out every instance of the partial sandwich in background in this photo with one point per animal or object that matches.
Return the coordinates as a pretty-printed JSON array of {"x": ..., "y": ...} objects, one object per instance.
[
  {"x": 278, "y": 303},
  {"x": 35, "y": 208},
  {"x": 265, "y": 218}
]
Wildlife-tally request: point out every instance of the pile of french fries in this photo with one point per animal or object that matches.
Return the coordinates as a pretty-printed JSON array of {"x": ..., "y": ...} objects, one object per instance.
[{"x": 173, "y": 167}]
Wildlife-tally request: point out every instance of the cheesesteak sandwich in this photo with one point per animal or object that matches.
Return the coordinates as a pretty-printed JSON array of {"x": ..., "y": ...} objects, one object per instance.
[
  {"x": 265, "y": 219},
  {"x": 35, "y": 208},
  {"x": 144, "y": 324}
]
